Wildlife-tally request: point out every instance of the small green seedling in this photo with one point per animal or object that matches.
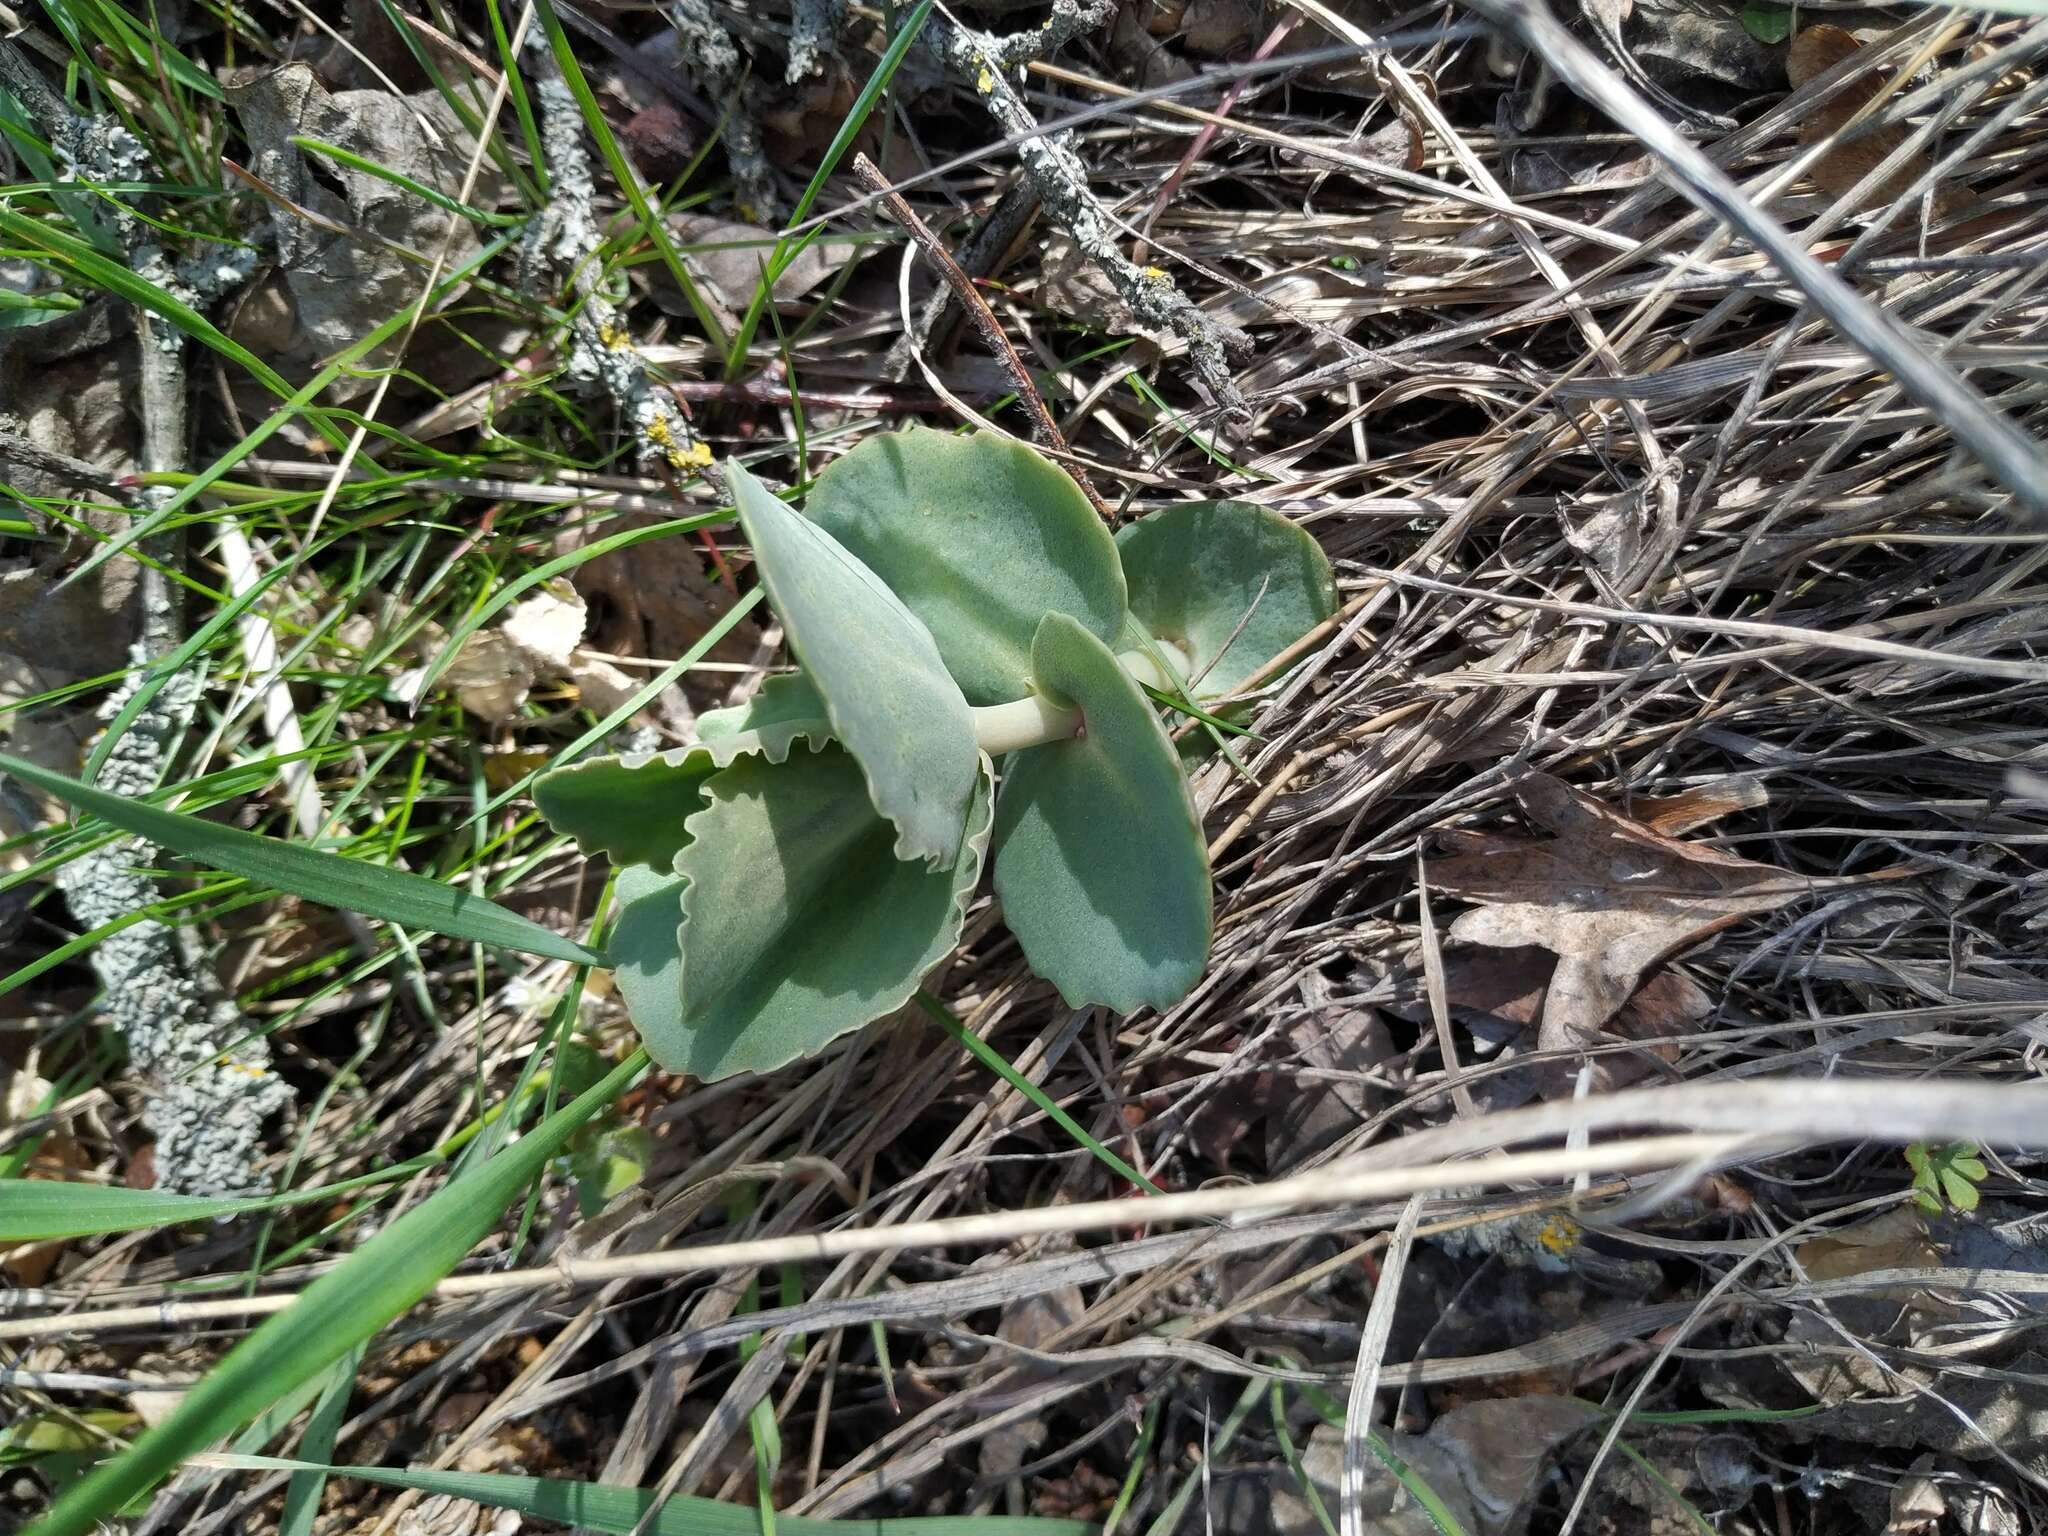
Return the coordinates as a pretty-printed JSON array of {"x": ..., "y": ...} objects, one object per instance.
[
  {"x": 972, "y": 644},
  {"x": 1951, "y": 1173}
]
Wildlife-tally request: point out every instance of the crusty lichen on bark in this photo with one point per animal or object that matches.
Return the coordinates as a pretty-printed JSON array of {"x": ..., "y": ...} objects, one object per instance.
[
  {"x": 987, "y": 61},
  {"x": 561, "y": 244},
  {"x": 710, "y": 54},
  {"x": 209, "y": 1089}
]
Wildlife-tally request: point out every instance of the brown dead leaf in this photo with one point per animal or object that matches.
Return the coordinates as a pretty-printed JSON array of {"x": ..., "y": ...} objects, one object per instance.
[
  {"x": 328, "y": 289},
  {"x": 654, "y": 600},
  {"x": 1310, "y": 1114},
  {"x": 1814, "y": 52},
  {"x": 1609, "y": 897},
  {"x": 1512, "y": 984},
  {"x": 1894, "y": 1239},
  {"x": 1676, "y": 815}
]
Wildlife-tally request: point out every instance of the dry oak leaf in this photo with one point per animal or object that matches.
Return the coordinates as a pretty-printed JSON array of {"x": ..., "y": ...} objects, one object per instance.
[{"x": 1608, "y": 896}]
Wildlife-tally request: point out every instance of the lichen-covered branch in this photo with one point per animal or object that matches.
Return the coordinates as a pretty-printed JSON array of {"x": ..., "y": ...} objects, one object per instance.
[
  {"x": 1157, "y": 306},
  {"x": 561, "y": 245},
  {"x": 210, "y": 1087},
  {"x": 711, "y": 55},
  {"x": 813, "y": 29}
]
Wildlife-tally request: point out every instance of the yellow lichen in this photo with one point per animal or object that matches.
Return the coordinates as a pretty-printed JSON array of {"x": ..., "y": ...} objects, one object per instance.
[
  {"x": 614, "y": 335},
  {"x": 1560, "y": 1235},
  {"x": 984, "y": 82}
]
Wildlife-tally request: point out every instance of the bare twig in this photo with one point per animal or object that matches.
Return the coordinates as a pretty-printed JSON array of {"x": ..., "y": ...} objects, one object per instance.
[{"x": 1045, "y": 429}]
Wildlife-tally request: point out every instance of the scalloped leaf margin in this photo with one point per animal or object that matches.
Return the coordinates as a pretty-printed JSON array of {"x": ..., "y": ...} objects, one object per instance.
[
  {"x": 634, "y": 808},
  {"x": 797, "y": 922}
]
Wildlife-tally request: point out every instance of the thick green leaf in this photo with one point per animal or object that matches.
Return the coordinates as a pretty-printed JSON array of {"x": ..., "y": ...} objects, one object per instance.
[
  {"x": 1228, "y": 585},
  {"x": 395, "y": 895},
  {"x": 632, "y": 808},
  {"x": 799, "y": 923},
  {"x": 374, "y": 1285},
  {"x": 981, "y": 538},
  {"x": 887, "y": 693},
  {"x": 1100, "y": 862},
  {"x": 647, "y": 962},
  {"x": 789, "y": 696},
  {"x": 618, "y": 1511}
]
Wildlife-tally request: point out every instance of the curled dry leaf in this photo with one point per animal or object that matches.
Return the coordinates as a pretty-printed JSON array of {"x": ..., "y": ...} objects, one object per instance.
[
  {"x": 539, "y": 642},
  {"x": 1609, "y": 897},
  {"x": 347, "y": 260}
]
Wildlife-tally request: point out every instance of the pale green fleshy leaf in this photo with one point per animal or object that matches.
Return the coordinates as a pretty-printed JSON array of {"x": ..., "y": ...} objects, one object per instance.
[
  {"x": 799, "y": 923},
  {"x": 1198, "y": 569},
  {"x": 1100, "y": 861},
  {"x": 887, "y": 694},
  {"x": 646, "y": 962},
  {"x": 981, "y": 538},
  {"x": 633, "y": 807},
  {"x": 787, "y": 696}
]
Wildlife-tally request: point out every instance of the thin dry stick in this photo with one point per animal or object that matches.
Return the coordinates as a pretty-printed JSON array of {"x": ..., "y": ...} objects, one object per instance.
[
  {"x": 1372, "y": 1350},
  {"x": 1047, "y": 430},
  {"x": 2001, "y": 447},
  {"x": 1751, "y": 1118},
  {"x": 1320, "y": 1188}
]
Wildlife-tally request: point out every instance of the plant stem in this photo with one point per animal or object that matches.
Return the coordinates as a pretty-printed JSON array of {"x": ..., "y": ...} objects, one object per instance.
[{"x": 1000, "y": 728}]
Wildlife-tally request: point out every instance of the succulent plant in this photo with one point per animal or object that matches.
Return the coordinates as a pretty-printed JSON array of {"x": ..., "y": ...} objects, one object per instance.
[{"x": 975, "y": 652}]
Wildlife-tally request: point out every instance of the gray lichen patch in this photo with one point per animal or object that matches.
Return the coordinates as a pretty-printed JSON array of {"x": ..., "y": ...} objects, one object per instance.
[
  {"x": 1157, "y": 307},
  {"x": 813, "y": 29},
  {"x": 713, "y": 60},
  {"x": 209, "y": 1088},
  {"x": 562, "y": 244}
]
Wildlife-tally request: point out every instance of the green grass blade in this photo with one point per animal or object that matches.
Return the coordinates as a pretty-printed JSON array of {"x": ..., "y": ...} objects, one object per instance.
[
  {"x": 418, "y": 189},
  {"x": 504, "y": 596},
  {"x": 180, "y": 660},
  {"x": 292, "y": 407},
  {"x": 650, "y": 218},
  {"x": 104, "y": 272},
  {"x": 376, "y": 1284},
  {"x": 991, "y": 1058},
  {"x": 618, "y": 1511},
  {"x": 784, "y": 253},
  {"x": 397, "y": 896},
  {"x": 38, "y": 1210}
]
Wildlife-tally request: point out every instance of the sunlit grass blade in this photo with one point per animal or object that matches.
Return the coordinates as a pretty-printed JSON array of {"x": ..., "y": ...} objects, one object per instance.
[
  {"x": 418, "y": 189},
  {"x": 510, "y": 592},
  {"x": 104, "y": 272},
  {"x": 991, "y": 1058},
  {"x": 650, "y": 217},
  {"x": 293, "y": 407},
  {"x": 394, "y": 895},
  {"x": 618, "y": 1511},
  {"x": 374, "y": 1285},
  {"x": 785, "y": 252}
]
